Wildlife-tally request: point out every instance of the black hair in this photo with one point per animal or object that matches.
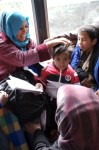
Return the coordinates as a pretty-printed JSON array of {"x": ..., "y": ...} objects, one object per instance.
[
  {"x": 91, "y": 31},
  {"x": 58, "y": 49}
]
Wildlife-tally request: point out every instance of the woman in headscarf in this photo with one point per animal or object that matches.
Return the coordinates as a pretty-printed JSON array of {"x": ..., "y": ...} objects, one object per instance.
[
  {"x": 77, "y": 117},
  {"x": 16, "y": 48},
  {"x": 17, "y": 51}
]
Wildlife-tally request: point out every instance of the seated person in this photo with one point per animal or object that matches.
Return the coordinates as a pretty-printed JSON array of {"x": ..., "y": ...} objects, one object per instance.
[
  {"x": 11, "y": 135},
  {"x": 77, "y": 120},
  {"x": 86, "y": 54},
  {"x": 80, "y": 58},
  {"x": 59, "y": 72},
  {"x": 56, "y": 74},
  {"x": 17, "y": 50}
]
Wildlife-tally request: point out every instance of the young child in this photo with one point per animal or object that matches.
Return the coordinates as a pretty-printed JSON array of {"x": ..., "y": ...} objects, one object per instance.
[
  {"x": 59, "y": 72},
  {"x": 10, "y": 127},
  {"x": 86, "y": 54},
  {"x": 56, "y": 74}
]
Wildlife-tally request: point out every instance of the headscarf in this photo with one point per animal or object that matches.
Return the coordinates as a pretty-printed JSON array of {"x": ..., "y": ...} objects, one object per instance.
[
  {"x": 77, "y": 117},
  {"x": 10, "y": 25}
]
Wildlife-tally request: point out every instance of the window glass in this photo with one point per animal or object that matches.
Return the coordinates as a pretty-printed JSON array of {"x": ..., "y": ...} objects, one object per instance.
[
  {"x": 23, "y": 6},
  {"x": 67, "y": 15}
]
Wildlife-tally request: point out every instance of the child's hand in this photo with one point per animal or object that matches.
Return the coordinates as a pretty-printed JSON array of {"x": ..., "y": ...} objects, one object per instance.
[
  {"x": 3, "y": 97},
  {"x": 31, "y": 127},
  {"x": 97, "y": 93},
  {"x": 39, "y": 86},
  {"x": 87, "y": 83}
]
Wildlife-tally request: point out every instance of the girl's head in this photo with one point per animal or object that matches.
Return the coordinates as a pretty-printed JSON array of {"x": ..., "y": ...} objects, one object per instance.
[
  {"x": 61, "y": 56},
  {"x": 87, "y": 37},
  {"x": 16, "y": 27}
]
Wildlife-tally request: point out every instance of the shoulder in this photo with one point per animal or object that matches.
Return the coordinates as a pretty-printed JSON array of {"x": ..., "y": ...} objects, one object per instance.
[
  {"x": 76, "y": 50},
  {"x": 48, "y": 67},
  {"x": 70, "y": 68}
]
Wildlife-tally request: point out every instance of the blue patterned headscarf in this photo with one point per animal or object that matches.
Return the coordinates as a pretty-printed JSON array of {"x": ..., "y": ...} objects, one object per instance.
[{"x": 11, "y": 25}]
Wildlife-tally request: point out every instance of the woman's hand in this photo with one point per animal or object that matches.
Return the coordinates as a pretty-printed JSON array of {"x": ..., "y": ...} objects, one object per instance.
[{"x": 53, "y": 42}]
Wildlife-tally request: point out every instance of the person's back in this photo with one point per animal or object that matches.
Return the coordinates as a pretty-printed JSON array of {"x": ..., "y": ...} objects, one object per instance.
[{"x": 77, "y": 119}]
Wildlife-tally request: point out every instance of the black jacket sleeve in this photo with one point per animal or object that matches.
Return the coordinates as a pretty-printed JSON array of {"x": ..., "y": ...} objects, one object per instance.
[{"x": 40, "y": 142}]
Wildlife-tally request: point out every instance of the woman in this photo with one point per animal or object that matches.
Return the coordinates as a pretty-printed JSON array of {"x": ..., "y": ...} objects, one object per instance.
[
  {"x": 17, "y": 51},
  {"x": 77, "y": 119},
  {"x": 16, "y": 48}
]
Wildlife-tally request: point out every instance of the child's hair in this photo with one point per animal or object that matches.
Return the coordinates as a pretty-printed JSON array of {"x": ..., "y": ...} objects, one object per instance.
[
  {"x": 58, "y": 49},
  {"x": 91, "y": 31}
]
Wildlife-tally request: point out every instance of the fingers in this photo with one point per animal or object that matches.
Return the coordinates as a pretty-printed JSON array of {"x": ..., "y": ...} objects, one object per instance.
[
  {"x": 61, "y": 40},
  {"x": 3, "y": 94},
  {"x": 3, "y": 97},
  {"x": 97, "y": 93},
  {"x": 39, "y": 86},
  {"x": 51, "y": 43}
]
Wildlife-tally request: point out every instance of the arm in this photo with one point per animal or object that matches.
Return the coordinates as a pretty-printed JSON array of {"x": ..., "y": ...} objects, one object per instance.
[
  {"x": 76, "y": 78},
  {"x": 40, "y": 141},
  {"x": 43, "y": 76},
  {"x": 10, "y": 54},
  {"x": 74, "y": 75},
  {"x": 75, "y": 57}
]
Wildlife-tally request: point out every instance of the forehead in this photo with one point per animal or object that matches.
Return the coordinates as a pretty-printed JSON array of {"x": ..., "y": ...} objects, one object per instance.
[
  {"x": 62, "y": 55},
  {"x": 24, "y": 23},
  {"x": 83, "y": 34}
]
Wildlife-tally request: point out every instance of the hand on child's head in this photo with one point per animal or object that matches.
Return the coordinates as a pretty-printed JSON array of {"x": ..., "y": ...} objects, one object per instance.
[
  {"x": 3, "y": 97},
  {"x": 51, "y": 43}
]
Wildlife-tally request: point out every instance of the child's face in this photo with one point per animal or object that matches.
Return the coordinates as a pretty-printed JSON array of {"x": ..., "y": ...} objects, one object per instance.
[
  {"x": 84, "y": 42},
  {"x": 62, "y": 60}
]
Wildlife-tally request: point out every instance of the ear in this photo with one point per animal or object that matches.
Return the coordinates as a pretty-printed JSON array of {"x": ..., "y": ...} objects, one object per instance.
[{"x": 94, "y": 41}]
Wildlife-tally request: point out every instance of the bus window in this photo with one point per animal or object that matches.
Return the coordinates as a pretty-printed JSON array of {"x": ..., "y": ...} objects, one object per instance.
[
  {"x": 20, "y": 5},
  {"x": 65, "y": 16}
]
